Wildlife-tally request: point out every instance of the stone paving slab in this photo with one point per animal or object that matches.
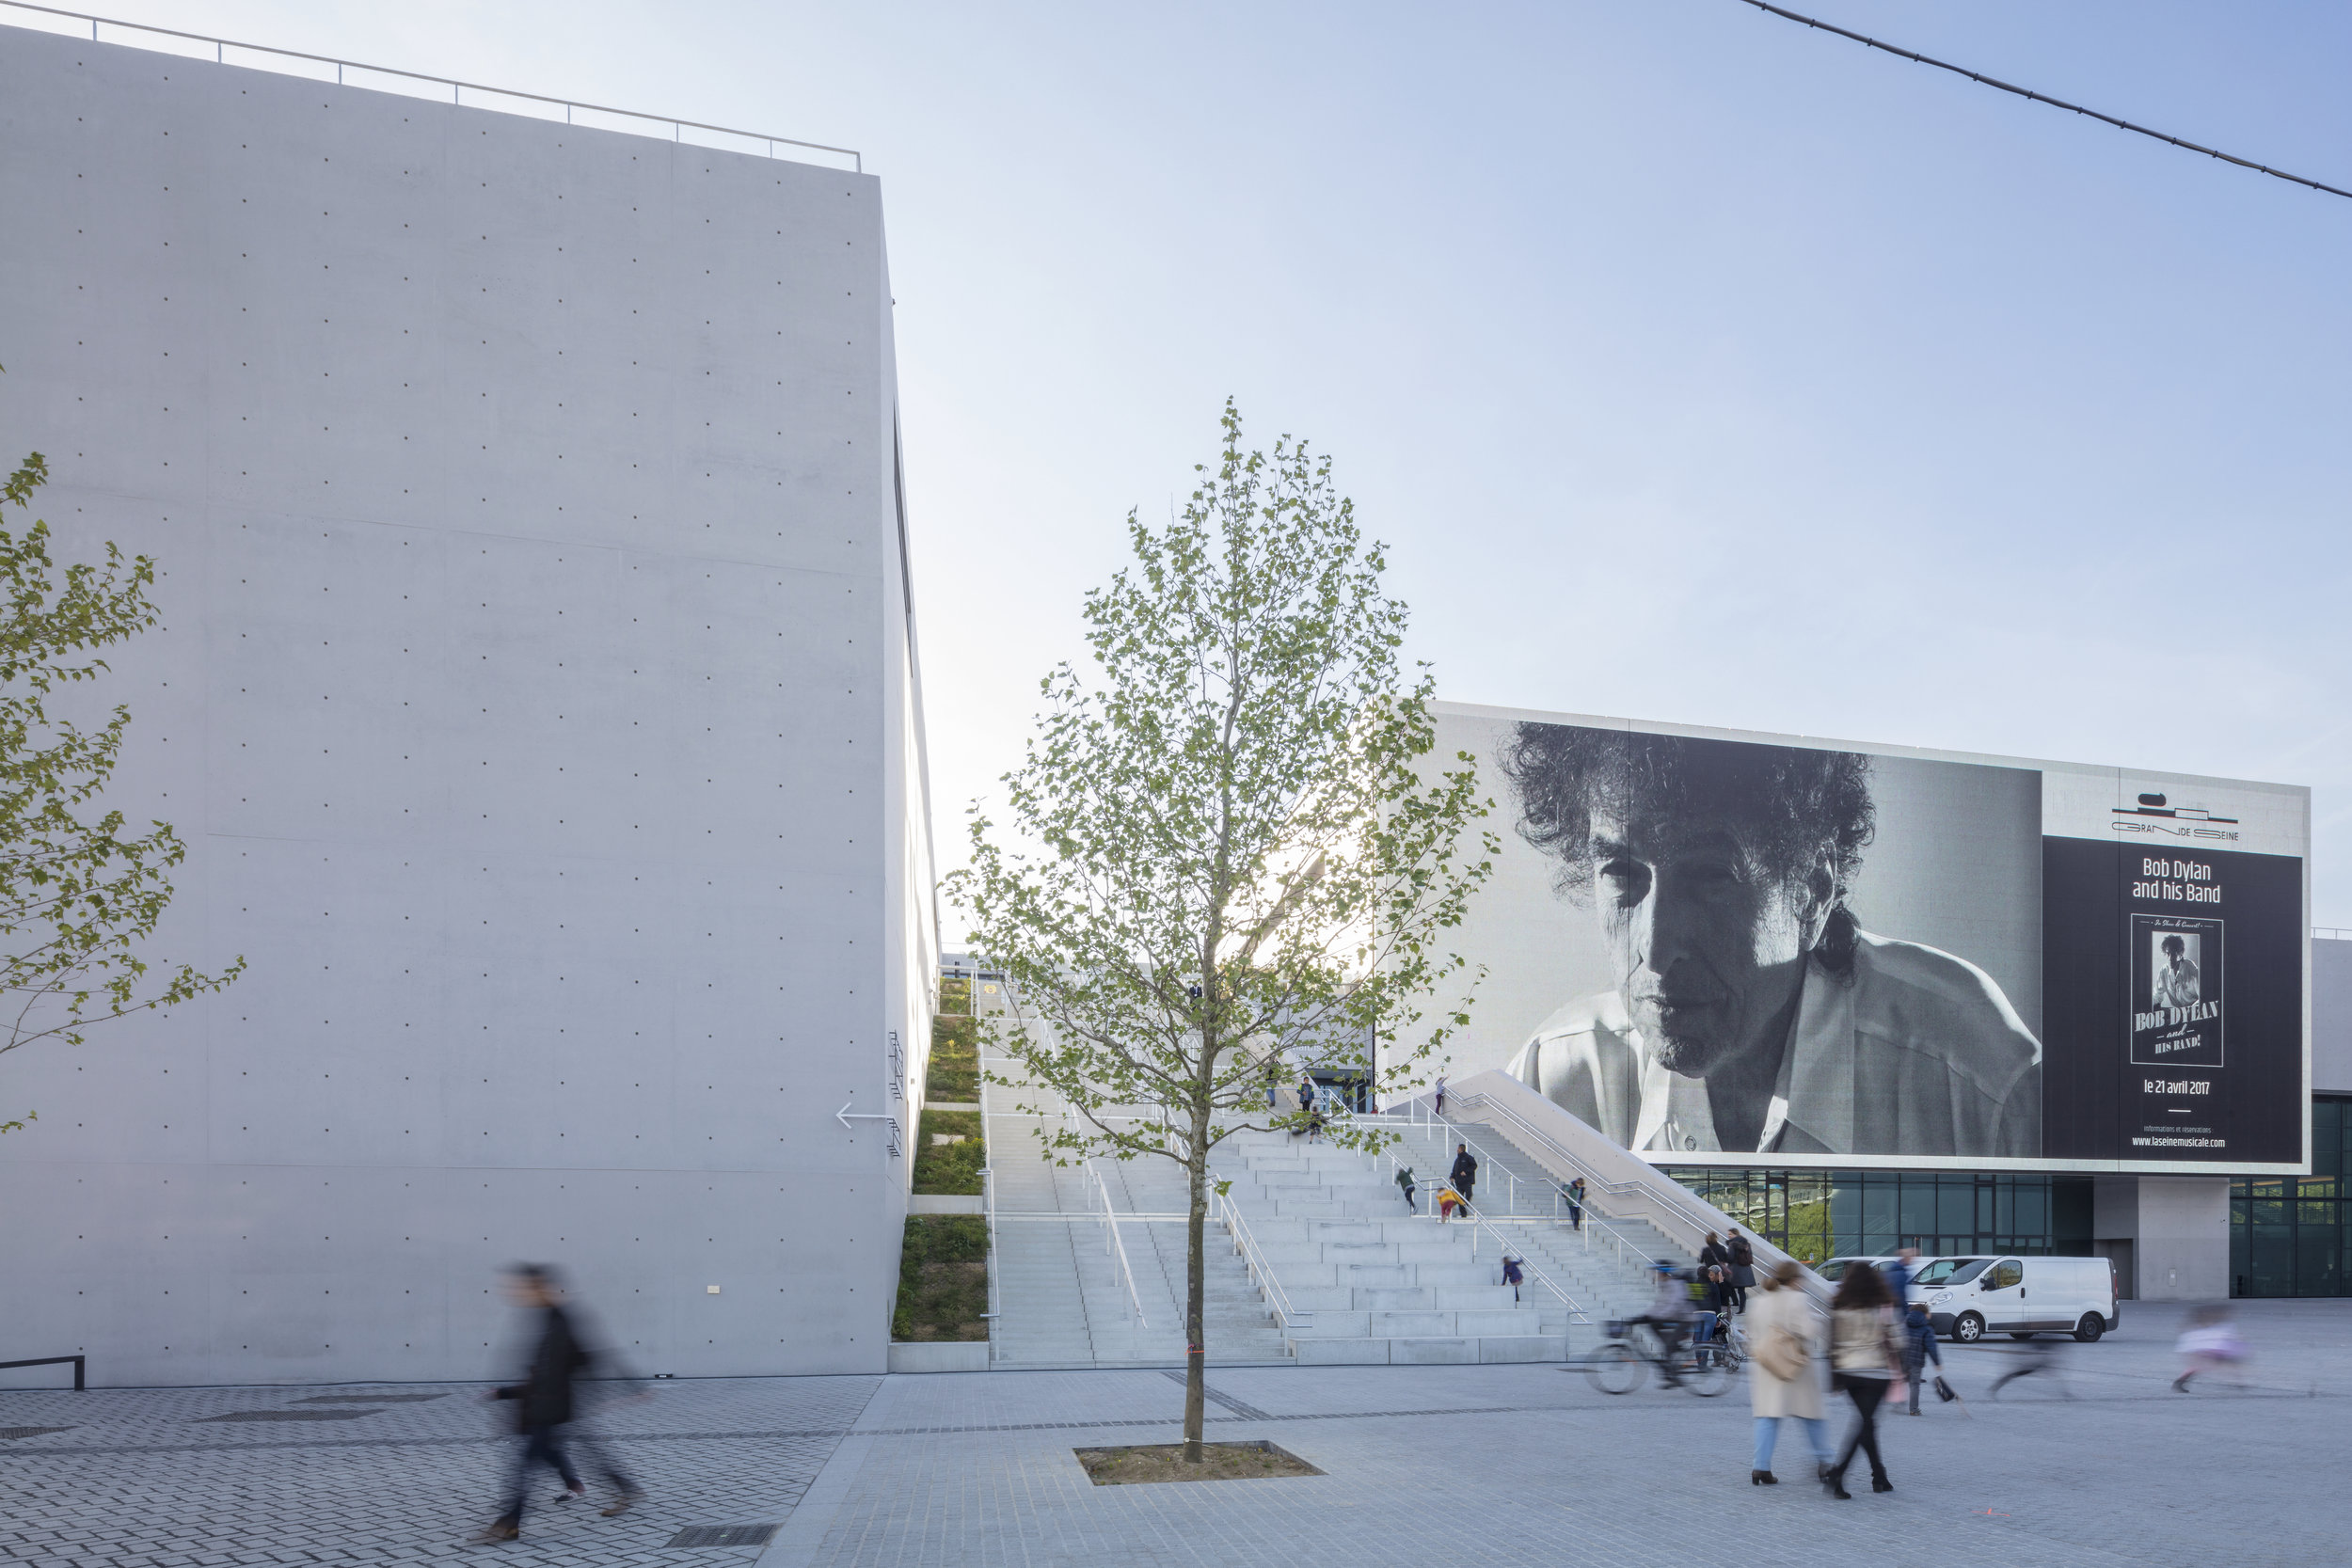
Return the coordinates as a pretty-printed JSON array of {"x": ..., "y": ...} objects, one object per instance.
[{"x": 2097, "y": 1467}]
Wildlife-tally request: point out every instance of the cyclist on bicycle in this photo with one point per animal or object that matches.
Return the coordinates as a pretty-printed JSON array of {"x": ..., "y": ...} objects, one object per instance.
[{"x": 1668, "y": 1316}]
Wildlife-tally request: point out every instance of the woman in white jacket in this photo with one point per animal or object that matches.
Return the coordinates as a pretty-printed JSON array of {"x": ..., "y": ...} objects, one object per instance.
[
  {"x": 1784, "y": 1334},
  {"x": 1864, "y": 1351}
]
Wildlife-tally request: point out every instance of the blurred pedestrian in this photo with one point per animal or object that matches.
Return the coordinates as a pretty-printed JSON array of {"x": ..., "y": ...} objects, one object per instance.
[
  {"x": 1314, "y": 1125},
  {"x": 1919, "y": 1348},
  {"x": 2035, "y": 1355},
  {"x": 1743, "y": 1268},
  {"x": 544, "y": 1403},
  {"x": 1273, "y": 1084},
  {"x": 1442, "y": 1097},
  {"x": 1465, "y": 1173},
  {"x": 1511, "y": 1275},
  {"x": 1864, "y": 1353},
  {"x": 2209, "y": 1343},
  {"x": 1576, "y": 1203},
  {"x": 1449, "y": 1204},
  {"x": 1898, "y": 1274},
  {"x": 1783, "y": 1342},
  {"x": 1404, "y": 1180}
]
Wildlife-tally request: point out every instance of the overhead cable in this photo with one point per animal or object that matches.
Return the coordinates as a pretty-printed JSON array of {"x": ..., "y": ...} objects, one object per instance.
[{"x": 2041, "y": 97}]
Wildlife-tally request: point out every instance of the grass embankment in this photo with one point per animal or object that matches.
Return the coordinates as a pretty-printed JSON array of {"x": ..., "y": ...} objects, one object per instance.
[
  {"x": 955, "y": 1070},
  {"x": 943, "y": 1280},
  {"x": 949, "y": 1167}
]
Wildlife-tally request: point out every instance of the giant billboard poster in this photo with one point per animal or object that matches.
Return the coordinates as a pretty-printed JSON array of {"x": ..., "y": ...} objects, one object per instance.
[{"x": 1726, "y": 949}]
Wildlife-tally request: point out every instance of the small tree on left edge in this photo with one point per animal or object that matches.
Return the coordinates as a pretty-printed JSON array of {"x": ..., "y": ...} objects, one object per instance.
[{"x": 79, "y": 897}]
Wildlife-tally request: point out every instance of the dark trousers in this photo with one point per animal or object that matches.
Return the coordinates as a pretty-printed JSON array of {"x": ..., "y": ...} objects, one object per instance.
[
  {"x": 1410, "y": 1207},
  {"x": 1575, "y": 1216},
  {"x": 1865, "y": 1392},
  {"x": 541, "y": 1446},
  {"x": 1464, "y": 1188},
  {"x": 544, "y": 1446}
]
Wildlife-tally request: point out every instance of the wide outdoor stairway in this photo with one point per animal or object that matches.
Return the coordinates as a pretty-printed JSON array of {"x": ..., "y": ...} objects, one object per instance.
[
  {"x": 1060, "y": 1297},
  {"x": 1357, "y": 1279}
]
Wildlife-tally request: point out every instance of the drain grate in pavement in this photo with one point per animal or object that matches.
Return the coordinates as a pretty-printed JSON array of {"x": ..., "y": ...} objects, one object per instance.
[
  {"x": 30, "y": 1432},
  {"x": 289, "y": 1415},
  {"x": 722, "y": 1535},
  {"x": 369, "y": 1399}
]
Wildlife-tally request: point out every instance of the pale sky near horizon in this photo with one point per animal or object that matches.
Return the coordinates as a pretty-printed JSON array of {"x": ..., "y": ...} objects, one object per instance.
[{"x": 1696, "y": 366}]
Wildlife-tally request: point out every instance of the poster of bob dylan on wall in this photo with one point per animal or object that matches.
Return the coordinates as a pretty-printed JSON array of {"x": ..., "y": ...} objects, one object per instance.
[{"x": 1717, "y": 948}]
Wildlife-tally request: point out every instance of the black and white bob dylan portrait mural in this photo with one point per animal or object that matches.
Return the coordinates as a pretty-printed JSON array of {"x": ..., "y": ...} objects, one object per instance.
[{"x": 1701, "y": 946}]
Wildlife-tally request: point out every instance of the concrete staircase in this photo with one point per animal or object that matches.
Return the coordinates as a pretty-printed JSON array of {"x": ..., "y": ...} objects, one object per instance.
[
  {"x": 1357, "y": 1279},
  {"x": 1061, "y": 1299}
]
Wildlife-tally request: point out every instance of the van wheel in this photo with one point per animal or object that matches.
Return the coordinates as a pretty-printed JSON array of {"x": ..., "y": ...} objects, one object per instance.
[
  {"x": 1967, "y": 1329},
  {"x": 2025, "y": 1335},
  {"x": 2091, "y": 1328}
]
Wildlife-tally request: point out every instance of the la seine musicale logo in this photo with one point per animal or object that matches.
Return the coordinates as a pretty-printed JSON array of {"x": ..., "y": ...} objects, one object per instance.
[{"x": 2172, "y": 821}]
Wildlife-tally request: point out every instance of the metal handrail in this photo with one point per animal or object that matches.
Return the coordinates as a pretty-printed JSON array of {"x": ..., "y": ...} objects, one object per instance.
[
  {"x": 1118, "y": 1245},
  {"x": 51, "y": 1361},
  {"x": 221, "y": 45},
  {"x": 988, "y": 1207},
  {"x": 1681, "y": 1204},
  {"x": 1114, "y": 1245},
  {"x": 1628, "y": 1250},
  {"x": 1454, "y": 1135},
  {"x": 1254, "y": 1260},
  {"x": 1672, "y": 1193},
  {"x": 1478, "y": 1223}
]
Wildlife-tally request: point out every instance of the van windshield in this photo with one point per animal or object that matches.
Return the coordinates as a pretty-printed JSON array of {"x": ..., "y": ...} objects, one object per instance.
[{"x": 1951, "y": 1271}]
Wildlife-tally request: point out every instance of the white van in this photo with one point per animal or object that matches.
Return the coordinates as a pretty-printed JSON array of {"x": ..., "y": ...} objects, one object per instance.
[{"x": 1970, "y": 1297}]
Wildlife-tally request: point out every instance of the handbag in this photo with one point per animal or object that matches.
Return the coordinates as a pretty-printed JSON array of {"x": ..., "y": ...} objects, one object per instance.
[{"x": 1783, "y": 1352}]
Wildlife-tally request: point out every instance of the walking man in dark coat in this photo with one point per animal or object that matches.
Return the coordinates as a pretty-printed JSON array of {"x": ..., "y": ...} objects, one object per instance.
[
  {"x": 1465, "y": 1172},
  {"x": 544, "y": 1402}
]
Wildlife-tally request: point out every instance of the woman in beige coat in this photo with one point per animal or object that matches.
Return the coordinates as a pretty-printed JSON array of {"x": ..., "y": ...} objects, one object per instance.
[
  {"x": 1864, "y": 1352},
  {"x": 1783, "y": 1330}
]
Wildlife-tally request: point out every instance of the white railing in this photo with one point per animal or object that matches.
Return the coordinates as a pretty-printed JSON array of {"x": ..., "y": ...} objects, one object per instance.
[
  {"x": 267, "y": 57},
  {"x": 988, "y": 1207},
  {"x": 1627, "y": 1249},
  {"x": 1225, "y": 1212},
  {"x": 1676, "y": 1207},
  {"x": 1114, "y": 1245},
  {"x": 1478, "y": 1224}
]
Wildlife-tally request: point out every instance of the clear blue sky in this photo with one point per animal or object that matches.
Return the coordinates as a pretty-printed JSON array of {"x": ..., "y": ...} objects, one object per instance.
[{"x": 1697, "y": 367}]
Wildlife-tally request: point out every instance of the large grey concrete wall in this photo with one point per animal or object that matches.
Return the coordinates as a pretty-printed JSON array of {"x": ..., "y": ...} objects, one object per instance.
[
  {"x": 536, "y": 697},
  {"x": 2331, "y": 1016}
]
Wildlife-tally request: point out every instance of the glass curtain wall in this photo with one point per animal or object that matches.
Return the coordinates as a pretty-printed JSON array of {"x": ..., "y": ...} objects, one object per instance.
[
  {"x": 1819, "y": 1214},
  {"x": 2287, "y": 1232}
]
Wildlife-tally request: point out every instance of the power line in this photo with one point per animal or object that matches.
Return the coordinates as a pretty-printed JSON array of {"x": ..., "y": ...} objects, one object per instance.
[{"x": 2042, "y": 97}]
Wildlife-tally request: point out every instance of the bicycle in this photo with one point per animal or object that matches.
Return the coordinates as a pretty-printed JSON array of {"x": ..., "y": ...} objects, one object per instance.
[{"x": 1622, "y": 1363}]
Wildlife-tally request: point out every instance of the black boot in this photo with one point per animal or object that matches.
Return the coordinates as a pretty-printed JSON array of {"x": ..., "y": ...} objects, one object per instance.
[{"x": 1763, "y": 1478}]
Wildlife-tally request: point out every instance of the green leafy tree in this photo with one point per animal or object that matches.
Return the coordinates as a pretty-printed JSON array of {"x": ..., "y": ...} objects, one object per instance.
[
  {"x": 1230, "y": 842},
  {"x": 79, "y": 896}
]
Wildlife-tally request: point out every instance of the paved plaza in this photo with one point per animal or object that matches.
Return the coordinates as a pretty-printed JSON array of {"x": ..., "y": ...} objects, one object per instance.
[{"x": 1438, "y": 1465}]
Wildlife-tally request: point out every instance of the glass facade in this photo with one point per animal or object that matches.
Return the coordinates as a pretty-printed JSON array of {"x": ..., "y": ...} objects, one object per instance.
[
  {"x": 2287, "y": 1232},
  {"x": 1819, "y": 1214}
]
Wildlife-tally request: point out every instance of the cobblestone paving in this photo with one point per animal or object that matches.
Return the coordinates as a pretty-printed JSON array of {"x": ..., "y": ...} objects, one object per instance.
[
  {"x": 1453, "y": 1466},
  {"x": 198, "y": 1478}
]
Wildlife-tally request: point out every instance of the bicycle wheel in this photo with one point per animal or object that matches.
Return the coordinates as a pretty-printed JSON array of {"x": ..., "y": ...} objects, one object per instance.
[
  {"x": 1616, "y": 1369},
  {"x": 1707, "y": 1379}
]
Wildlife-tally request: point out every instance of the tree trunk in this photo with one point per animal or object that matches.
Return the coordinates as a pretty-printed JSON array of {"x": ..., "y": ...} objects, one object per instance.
[{"x": 1196, "y": 1258}]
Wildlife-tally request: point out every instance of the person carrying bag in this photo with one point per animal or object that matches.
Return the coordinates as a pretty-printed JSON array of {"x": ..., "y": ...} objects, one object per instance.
[{"x": 1782, "y": 1332}]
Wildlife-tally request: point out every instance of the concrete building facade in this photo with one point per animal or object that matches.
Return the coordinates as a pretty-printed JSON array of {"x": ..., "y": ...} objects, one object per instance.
[{"x": 538, "y": 695}]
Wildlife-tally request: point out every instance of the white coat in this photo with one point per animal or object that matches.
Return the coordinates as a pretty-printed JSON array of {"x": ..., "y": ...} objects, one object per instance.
[{"x": 1789, "y": 1308}]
